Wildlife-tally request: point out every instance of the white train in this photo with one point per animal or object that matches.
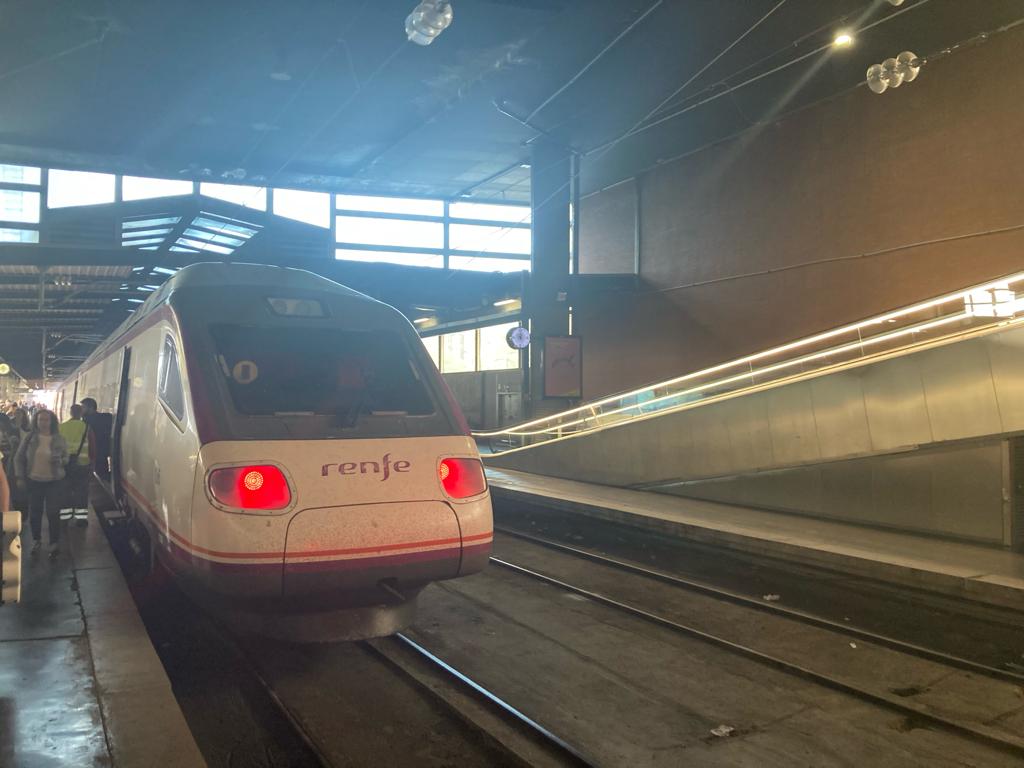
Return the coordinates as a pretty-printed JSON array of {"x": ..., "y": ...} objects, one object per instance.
[{"x": 289, "y": 449}]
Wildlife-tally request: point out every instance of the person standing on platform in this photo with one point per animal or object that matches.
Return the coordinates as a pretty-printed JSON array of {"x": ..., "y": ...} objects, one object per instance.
[
  {"x": 101, "y": 425},
  {"x": 9, "y": 439},
  {"x": 23, "y": 427},
  {"x": 5, "y": 492},
  {"x": 40, "y": 466},
  {"x": 81, "y": 447}
]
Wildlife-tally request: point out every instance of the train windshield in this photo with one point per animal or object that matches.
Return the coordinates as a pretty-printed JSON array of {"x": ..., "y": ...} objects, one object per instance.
[{"x": 346, "y": 375}]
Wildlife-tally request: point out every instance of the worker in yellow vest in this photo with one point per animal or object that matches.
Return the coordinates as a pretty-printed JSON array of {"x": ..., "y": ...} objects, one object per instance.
[{"x": 79, "y": 437}]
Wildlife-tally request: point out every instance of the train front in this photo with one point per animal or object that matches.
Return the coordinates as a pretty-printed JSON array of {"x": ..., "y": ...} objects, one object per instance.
[{"x": 336, "y": 478}]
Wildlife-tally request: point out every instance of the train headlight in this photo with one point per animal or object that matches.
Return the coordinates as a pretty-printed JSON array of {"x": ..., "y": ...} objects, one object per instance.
[
  {"x": 257, "y": 487},
  {"x": 462, "y": 478}
]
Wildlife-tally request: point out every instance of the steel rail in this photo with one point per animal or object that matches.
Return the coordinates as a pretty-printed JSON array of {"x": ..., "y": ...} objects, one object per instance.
[
  {"x": 250, "y": 666},
  {"x": 575, "y": 755},
  {"x": 791, "y": 613},
  {"x": 979, "y": 733}
]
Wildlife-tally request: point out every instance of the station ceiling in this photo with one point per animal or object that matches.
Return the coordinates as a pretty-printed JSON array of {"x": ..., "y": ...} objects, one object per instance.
[{"x": 329, "y": 95}]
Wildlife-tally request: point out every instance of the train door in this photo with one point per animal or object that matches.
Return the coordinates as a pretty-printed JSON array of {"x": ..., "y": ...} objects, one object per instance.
[{"x": 116, "y": 453}]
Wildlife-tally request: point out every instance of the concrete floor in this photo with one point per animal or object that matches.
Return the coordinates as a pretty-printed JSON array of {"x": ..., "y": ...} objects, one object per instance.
[{"x": 80, "y": 684}]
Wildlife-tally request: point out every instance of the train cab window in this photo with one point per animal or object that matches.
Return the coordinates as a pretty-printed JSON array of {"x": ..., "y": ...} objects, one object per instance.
[
  {"x": 348, "y": 376},
  {"x": 170, "y": 389}
]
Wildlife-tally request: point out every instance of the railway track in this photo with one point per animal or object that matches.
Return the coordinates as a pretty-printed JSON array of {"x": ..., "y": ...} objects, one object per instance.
[
  {"x": 563, "y": 751},
  {"x": 543, "y": 743},
  {"x": 525, "y": 740},
  {"x": 773, "y": 608},
  {"x": 976, "y": 731}
]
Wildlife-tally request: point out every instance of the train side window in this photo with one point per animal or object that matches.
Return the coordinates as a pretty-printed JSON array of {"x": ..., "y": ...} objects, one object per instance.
[{"x": 170, "y": 389}]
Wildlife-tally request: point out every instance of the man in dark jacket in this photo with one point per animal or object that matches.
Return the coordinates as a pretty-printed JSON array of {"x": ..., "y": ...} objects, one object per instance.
[{"x": 101, "y": 425}]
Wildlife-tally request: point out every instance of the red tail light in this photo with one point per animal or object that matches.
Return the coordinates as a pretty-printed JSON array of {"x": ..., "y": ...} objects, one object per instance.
[
  {"x": 462, "y": 478},
  {"x": 258, "y": 487}
]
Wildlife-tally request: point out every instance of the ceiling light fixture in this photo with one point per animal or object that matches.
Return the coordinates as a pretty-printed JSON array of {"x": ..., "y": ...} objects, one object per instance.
[
  {"x": 421, "y": 320},
  {"x": 893, "y": 72},
  {"x": 428, "y": 20},
  {"x": 506, "y": 302},
  {"x": 843, "y": 40}
]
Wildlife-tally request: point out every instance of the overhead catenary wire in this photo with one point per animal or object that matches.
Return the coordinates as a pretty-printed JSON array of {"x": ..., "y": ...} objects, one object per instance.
[
  {"x": 629, "y": 28},
  {"x": 643, "y": 125},
  {"x": 703, "y": 69},
  {"x": 602, "y": 149}
]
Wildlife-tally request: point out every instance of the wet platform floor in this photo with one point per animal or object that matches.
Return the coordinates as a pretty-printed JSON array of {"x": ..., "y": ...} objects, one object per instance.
[{"x": 80, "y": 683}]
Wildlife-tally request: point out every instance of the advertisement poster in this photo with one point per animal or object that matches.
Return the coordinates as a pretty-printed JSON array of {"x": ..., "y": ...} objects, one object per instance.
[{"x": 563, "y": 366}]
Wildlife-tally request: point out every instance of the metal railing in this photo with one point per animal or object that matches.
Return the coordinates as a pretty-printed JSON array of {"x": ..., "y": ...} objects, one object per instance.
[{"x": 974, "y": 310}]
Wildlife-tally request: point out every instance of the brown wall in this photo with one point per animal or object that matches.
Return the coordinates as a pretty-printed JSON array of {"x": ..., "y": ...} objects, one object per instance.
[{"x": 941, "y": 157}]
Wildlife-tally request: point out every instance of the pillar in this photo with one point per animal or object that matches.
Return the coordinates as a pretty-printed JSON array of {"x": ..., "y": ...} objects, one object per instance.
[{"x": 545, "y": 299}]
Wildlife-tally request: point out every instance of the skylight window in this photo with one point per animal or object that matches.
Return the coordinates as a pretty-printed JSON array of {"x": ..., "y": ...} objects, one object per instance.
[
  {"x": 8, "y": 235},
  {"x": 402, "y": 232},
  {"x": 145, "y": 241},
  {"x": 478, "y": 264},
  {"x": 388, "y": 257},
  {"x": 250, "y": 197},
  {"x": 144, "y": 232},
  {"x": 200, "y": 234},
  {"x": 19, "y": 205},
  {"x": 309, "y": 207},
  {"x": 201, "y": 246},
  {"x": 74, "y": 188},
  {"x": 20, "y": 174},
  {"x": 144, "y": 223},
  {"x": 222, "y": 226},
  {"x": 514, "y": 214},
  {"x": 413, "y": 206},
  {"x": 143, "y": 188},
  {"x": 486, "y": 239}
]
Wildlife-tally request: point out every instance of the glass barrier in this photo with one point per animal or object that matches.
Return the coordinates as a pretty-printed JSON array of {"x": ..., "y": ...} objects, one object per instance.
[{"x": 977, "y": 309}]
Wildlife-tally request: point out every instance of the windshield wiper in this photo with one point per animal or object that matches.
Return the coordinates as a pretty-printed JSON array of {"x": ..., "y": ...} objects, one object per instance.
[{"x": 351, "y": 417}]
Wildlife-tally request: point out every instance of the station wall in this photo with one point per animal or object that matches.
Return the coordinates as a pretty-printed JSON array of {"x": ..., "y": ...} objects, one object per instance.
[{"x": 840, "y": 211}]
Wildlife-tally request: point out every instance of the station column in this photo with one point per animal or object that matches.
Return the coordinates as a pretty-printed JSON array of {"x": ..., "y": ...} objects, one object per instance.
[{"x": 546, "y": 296}]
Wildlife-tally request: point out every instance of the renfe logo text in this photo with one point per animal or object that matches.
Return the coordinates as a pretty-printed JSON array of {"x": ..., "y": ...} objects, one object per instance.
[{"x": 367, "y": 467}]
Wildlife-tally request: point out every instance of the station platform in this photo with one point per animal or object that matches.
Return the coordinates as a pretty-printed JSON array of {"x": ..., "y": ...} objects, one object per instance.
[
  {"x": 963, "y": 570},
  {"x": 80, "y": 682}
]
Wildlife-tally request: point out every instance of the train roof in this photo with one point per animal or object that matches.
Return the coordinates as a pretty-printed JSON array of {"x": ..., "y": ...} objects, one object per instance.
[
  {"x": 220, "y": 274},
  {"x": 207, "y": 274}
]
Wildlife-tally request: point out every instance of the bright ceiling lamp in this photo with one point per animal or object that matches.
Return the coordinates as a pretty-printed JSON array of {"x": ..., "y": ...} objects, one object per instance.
[
  {"x": 843, "y": 40},
  {"x": 428, "y": 20}
]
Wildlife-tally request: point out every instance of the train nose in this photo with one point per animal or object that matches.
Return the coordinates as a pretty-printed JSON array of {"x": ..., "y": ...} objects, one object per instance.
[{"x": 343, "y": 555}]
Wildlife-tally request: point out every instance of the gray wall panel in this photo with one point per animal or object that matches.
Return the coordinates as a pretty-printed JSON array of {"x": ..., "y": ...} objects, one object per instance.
[
  {"x": 840, "y": 415},
  {"x": 746, "y": 421},
  {"x": 954, "y": 492},
  {"x": 960, "y": 398},
  {"x": 894, "y": 398},
  {"x": 846, "y": 486},
  {"x": 791, "y": 416},
  {"x": 712, "y": 451},
  {"x": 1006, "y": 357},
  {"x": 901, "y": 489},
  {"x": 967, "y": 491}
]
